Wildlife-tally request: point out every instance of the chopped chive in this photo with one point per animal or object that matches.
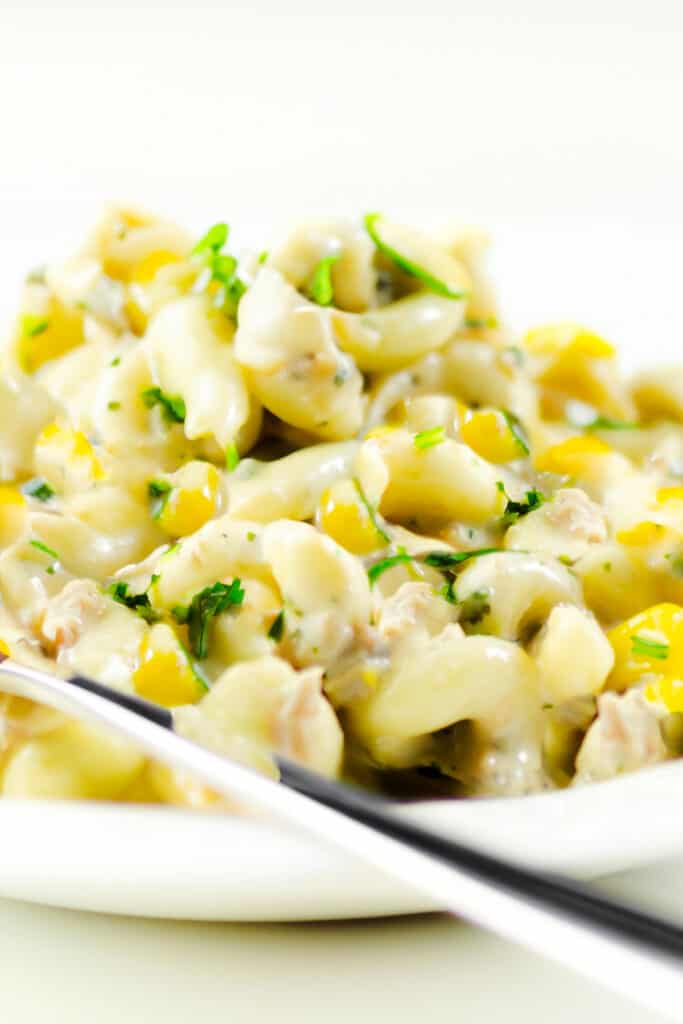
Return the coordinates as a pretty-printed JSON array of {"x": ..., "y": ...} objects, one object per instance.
[
  {"x": 517, "y": 430},
  {"x": 431, "y": 282},
  {"x": 640, "y": 645},
  {"x": 263, "y": 256},
  {"x": 376, "y": 570},
  {"x": 425, "y": 439},
  {"x": 514, "y": 510},
  {"x": 214, "y": 239},
  {"x": 232, "y": 457},
  {"x": 138, "y": 603},
  {"x": 606, "y": 423},
  {"x": 44, "y": 548},
  {"x": 321, "y": 290},
  {"x": 447, "y": 559},
  {"x": 278, "y": 627},
  {"x": 374, "y": 519}
]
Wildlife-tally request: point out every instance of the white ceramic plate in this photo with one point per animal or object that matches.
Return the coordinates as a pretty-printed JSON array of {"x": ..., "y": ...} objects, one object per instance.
[{"x": 161, "y": 862}]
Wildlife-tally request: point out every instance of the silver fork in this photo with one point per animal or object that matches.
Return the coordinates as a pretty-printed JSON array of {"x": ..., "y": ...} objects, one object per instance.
[{"x": 626, "y": 950}]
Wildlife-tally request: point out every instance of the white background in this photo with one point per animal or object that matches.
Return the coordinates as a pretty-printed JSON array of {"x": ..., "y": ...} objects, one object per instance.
[{"x": 555, "y": 125}]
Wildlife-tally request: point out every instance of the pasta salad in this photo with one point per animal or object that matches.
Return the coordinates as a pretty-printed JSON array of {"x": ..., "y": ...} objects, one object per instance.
[{"x": 319, "y": 500}]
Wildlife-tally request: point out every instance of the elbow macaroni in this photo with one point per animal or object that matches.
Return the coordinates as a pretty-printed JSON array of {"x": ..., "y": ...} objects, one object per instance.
[{"x": 320, "y": 502}]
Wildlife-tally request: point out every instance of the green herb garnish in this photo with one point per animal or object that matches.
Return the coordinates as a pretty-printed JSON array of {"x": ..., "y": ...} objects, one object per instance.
[
  {"x": 222, "y": 268},
  {"x": 159, "y": 491},
  {"x": 214, "y": 239},
  {"x": 172, "y": 406},
  {"x": 321, "y": 290},
  {"x": 114, "y": 406},
  {"x": 278, "y": 627},
  {"x": 39, "y": 489},
  {"x": 374, "y": 519},
  {"x": 431, "y": 282},
  {"x": 232, "y": 457},
  {"x": 429, "y": 438},
  {"x": 38, "y": 544},
  {"x": 645, "y": 648},
  {"x": 138, "y": 603},
  {"x": 480, "y": 323},
  {"x": 474, "y": 607},
  {"x": 204, "y": 606},
  {"x": 263, "y": 256},
  {"x": 606, "y": 423},
  {"x": 33, "y": 325},
  {"x": 376, "y": 570},
  {"x": 514, "y": 510},
  {"x": 517, "y": 430},
  {"x": 449, "y": 559}
]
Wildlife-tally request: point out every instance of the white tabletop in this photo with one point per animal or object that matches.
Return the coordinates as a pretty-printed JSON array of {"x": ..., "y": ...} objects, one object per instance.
[{"x": 62, "y": 966}]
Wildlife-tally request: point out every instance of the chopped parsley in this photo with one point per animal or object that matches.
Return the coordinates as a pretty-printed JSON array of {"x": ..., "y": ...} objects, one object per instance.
[
  {"x": 204, "y": 606},
  {"x": 514, "y": 510},
  {"x": 32, "y": 325},
  {"x": 138, "y": 603},
  {"x": 423, "y": 275},
  {"x": 232, "y": 457},
  {"x": 38, "y": 488},
  {"x": 221, "y": 267},
  {"x": 159, "y": 491},
  {"x": 278, "y": 627},
  {"x": 376, "y": 570},
  {"x": 517, "y": 430},
  {"x": 429, "y": 438},
  {"x": 172, "y": 406},
  {"x": 374, "y": 518},
  {"x": 38, "y": 544},
  {"x": 645, "y": 648},
  {"x": 321, "y": 290}
]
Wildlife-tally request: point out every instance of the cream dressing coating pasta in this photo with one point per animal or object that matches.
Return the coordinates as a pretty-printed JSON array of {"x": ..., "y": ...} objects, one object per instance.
[{"x": 321, "y": 502}]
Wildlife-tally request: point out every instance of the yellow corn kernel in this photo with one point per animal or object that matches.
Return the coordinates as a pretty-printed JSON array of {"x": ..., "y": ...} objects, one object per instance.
[
  {"x": 570, "y": 338},
  {"x": 641, "y": 535},
  {"x": 667, "y": 691},
  {"x": 59, "y": 449},
  {"x": 489, "y": 434},
  {"x": 572, "y": 457},
  {"x": 192, "y": 501},
  {"x": 165, "y": 674},
  {"x": 344, "y": 517},
  {"x": 12, "y": 514},
  {"x": 668, "y": 494},
  {"x": 381, "y": 431},
  {"x": 4, "y": 649},
  {"x": 48, "y": 336},
  {"x": 145, "y": 270},
  {"x": 661, "y": 624}
]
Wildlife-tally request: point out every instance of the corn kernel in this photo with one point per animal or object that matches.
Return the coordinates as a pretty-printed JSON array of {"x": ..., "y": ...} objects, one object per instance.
[
  {"x": 192, "y": 501},
  {"x": 61, "y": 330},
  {"x": 570, "y": 338},
  {"x": 667, "y": 494},
  {"x": 4, "y": 649},
  {"x": 62, "y": 448},
  {"x": 343, "y": 516},
  {"x": 12, "y": 514},
  {"x": 165, "y": 674},
  {"x": 572, "y": 457},
  {"x": 641, "y": 535},
  {"x": 489, "y": 434},
  {"x": 661, "y": 624},
  {"x": 667, "y": 691}
]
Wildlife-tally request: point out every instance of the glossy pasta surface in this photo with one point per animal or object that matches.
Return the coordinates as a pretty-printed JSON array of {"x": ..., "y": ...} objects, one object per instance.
[{"x": 319, "y": 500}]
